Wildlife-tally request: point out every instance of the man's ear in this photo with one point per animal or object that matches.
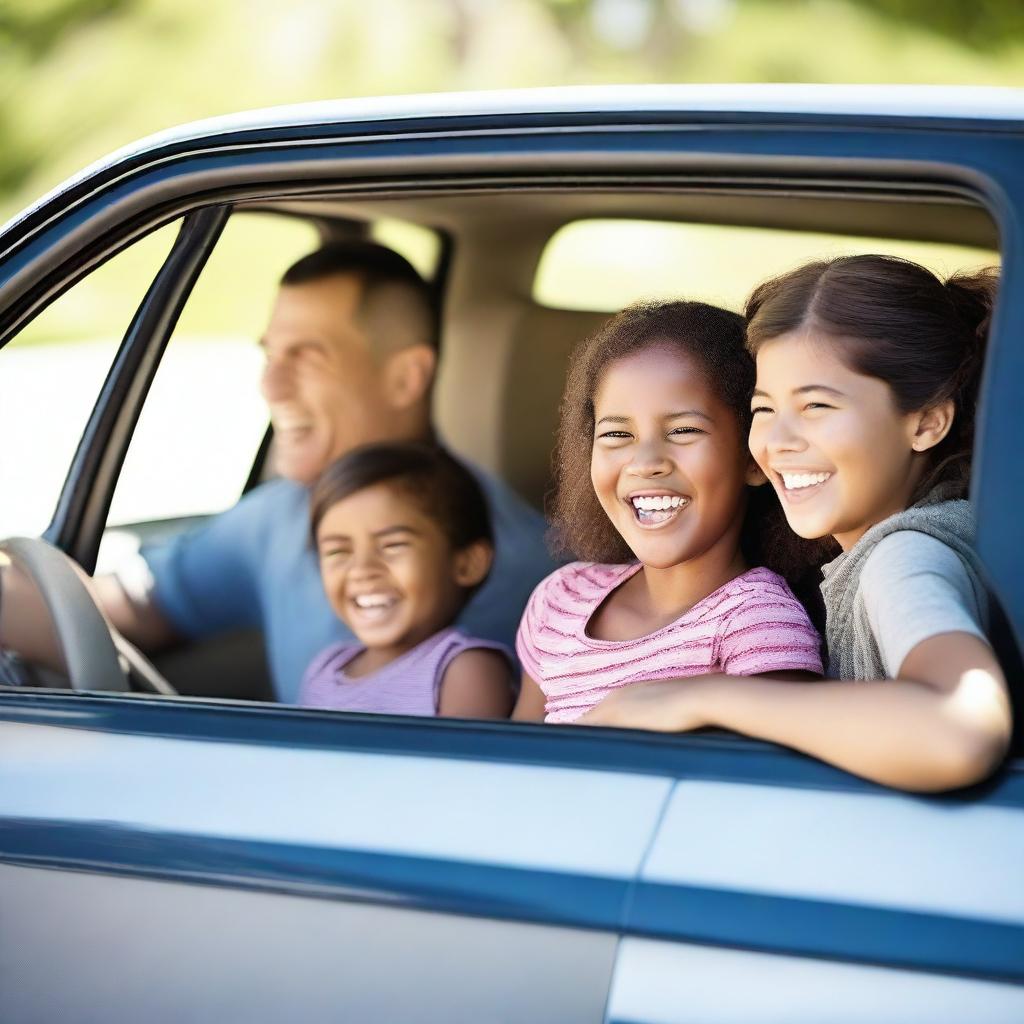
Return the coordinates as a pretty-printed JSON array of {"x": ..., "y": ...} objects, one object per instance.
[
  {"x": 408, "y": 374},
  {"x": 472, "y": 563},
  {"x": 753, "y": 476},
  {"x": 930, "y": 426}
]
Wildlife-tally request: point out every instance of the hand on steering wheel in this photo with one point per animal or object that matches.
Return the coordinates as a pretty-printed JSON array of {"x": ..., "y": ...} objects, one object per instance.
[{"x": 97, "y": 657}]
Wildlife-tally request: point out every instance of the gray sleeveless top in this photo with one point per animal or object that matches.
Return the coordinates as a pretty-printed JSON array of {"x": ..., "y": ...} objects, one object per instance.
[{"x": 853, "y": 651}]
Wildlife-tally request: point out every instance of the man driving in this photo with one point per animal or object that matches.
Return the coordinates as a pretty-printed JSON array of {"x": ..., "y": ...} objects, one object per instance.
[{"x": 350, "y": 359}]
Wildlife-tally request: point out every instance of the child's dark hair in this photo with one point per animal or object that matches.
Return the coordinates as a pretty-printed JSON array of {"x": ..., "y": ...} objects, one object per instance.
[
  {"x": 715, "y": 338},
  {"x": 896, "y": 321},
  {"x": 444, "y": 489}
]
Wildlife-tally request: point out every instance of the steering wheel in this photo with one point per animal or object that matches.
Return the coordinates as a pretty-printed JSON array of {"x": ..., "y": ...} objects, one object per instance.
[{"x": 97, "y": 656}]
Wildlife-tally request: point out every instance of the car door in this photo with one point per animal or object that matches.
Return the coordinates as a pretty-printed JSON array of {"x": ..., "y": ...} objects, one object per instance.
[
  {"x": 778, "y": 890},
  {"x": 168, "y": 860},
  {"x": 174, "y": 859}
]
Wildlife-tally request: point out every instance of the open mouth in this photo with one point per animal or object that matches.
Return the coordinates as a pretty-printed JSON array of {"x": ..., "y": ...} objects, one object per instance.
[
  {"x": 656, "y": 509},
  {"x": 372, "y": 607},
  {"x": 800, "y": 486}
]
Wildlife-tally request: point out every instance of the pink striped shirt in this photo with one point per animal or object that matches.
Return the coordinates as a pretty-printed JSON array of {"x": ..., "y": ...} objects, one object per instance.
[{"x": 752, "y": 624}]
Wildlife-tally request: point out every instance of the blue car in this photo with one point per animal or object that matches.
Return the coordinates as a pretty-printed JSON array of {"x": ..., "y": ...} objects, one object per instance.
[{"x": 176, "y": 847}]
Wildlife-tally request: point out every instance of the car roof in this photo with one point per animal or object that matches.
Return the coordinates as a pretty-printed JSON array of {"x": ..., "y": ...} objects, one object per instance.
[
  {"x": 986, "y": 104},
  {"x": 902, "y": 101}
]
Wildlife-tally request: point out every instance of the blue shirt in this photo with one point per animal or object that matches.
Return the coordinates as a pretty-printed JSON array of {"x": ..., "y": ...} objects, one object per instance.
[{"x": 254, "y": 566}]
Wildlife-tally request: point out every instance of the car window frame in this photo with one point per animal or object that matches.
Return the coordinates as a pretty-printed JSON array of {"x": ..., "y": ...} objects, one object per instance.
[
  {"x": 81, "y": 513},
  {"x": 303, "y": 167}
]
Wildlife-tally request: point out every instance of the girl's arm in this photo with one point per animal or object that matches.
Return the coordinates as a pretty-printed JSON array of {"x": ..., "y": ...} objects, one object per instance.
[
  {"x": 944, "y": 722},
  {"x": 530, "y": 705},
  {"x": 476, "y": 685}
]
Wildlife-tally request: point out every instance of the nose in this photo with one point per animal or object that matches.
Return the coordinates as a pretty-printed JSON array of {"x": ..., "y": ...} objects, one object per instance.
[
  {"x": 783, "y": 435},
  {"x": 276, "y": 381},
  {"x": 649, "y": 461},
  {"x": 364, "y": 563}
]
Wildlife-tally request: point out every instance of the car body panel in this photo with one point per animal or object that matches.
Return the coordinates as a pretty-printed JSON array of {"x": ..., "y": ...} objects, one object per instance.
[
  {"x": 695, "y": 840},
  {"x": 151, "y": 949},
  {"x": 676, "y": 983}
]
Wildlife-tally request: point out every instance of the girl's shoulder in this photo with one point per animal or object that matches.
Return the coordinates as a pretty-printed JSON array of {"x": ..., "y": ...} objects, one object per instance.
[
  {"x": 332, "y": 658},
  {"x": 758, "y": 596},
  {"x": 581, "y": 582},
  {"x": 910, "y": 547},
  {"x": 453, "y": 641},
  {"x": 759, "y": 582},
  {"x": 905, "y": 556}
]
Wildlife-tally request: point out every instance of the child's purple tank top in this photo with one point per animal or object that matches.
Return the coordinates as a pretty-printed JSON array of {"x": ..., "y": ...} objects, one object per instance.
[{"x": 410, "y": 685}]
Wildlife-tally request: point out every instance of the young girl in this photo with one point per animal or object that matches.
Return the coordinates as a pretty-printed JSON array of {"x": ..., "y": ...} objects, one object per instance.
[
  {"x": 652, "y": 489},
  {"x": 404, "y": 539},
  {"x": 867, "y": 378}
]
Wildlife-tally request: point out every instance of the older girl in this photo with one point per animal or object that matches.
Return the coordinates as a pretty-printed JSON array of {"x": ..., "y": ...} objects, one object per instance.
[{"x": 863, "y": 420}]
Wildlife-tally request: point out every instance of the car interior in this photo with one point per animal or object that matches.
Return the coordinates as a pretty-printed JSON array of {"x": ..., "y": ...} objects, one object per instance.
[{"x": 522, "y": 273}]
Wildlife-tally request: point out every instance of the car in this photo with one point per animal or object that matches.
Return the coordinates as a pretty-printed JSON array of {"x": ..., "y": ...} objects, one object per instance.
[{"x": 190, "y": 850}]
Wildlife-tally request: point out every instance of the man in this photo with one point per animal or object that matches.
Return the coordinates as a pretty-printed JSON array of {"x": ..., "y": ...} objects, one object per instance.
[{"x": 350, "y": 359}]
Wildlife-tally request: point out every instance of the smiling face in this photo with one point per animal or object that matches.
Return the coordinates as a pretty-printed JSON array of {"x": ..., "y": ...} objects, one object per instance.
[
  {"x": 838, "y": 451},
  {"x": 668, "y": 463},
  {"x": 389, "y": 571},
  {"x": 325, "y": 389}
]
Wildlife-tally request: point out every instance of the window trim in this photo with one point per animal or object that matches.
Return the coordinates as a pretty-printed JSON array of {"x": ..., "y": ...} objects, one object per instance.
[{"x": 81, "y": 513}]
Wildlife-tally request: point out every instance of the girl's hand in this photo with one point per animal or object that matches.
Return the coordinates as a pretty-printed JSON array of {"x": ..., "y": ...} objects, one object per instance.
[{"x": 669, "y": 705}]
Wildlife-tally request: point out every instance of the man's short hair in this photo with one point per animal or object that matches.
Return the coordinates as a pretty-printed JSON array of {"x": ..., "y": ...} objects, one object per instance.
[{"x": 396, "y": 306}]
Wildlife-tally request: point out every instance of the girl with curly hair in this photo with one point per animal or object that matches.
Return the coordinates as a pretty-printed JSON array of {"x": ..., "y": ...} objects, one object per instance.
[{"x": 654, "y": 482}]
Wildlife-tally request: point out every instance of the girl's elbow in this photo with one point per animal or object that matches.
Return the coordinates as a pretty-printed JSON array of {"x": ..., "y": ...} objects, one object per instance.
[
  {"x": 979, "y": 725},
  {"x": 971, "y": 755}
]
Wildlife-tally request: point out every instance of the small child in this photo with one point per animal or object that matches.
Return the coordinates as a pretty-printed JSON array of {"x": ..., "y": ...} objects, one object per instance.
[
  {"x": 653, "y": 483},
  {"x": 404, "y": 539}
]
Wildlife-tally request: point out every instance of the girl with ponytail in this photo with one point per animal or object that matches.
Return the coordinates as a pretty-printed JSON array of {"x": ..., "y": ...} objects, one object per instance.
[{"x": 868, "y": 370}]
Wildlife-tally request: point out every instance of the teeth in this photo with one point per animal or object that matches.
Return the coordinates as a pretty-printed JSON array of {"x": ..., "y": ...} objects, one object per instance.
[
  {"x": 372, "y": 601},
  {"x": 795, "y": 481},
  {"x": 658, "y": 503}
]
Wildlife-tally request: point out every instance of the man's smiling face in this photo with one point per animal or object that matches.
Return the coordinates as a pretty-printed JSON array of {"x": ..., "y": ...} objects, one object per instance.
[{"x": 322, "y": 382}]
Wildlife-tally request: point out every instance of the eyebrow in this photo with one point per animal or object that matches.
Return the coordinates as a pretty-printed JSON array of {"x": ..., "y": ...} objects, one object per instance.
[
  {"x": 671, "y": 416},
  {"x": 377, "y": 534},
  {"x": 801, "y": 391},
  {"x": 395, "y": 529}
]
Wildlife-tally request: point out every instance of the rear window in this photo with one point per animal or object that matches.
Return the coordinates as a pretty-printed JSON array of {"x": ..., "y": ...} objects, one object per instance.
[{"x": 603, "y": 265}]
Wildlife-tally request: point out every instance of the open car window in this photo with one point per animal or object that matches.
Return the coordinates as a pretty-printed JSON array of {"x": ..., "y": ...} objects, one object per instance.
[
  {"x": 51, "y": 373},
  {"x": 203, "y": 420}
]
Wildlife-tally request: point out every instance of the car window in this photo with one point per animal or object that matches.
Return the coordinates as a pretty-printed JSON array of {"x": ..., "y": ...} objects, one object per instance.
[
  {"x": 603, "y": 265},
  {"x": 203, "y": 420},
  {"x": 419, "y": 245},
  {"x": 51, "y": 373}
]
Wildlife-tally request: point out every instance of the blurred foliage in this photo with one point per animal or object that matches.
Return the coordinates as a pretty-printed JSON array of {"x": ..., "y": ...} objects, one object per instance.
[
  {"x": 79, "y": 78},
  {"x": 37, "y": 27},
  {"x": 984, "y": 24},
  {"x": 29, "y": 32}
]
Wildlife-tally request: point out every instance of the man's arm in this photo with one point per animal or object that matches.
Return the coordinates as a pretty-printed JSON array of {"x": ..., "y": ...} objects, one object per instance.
[
  {"x": 26, "y": 625},
  {"x": 138, "y": 618}
]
